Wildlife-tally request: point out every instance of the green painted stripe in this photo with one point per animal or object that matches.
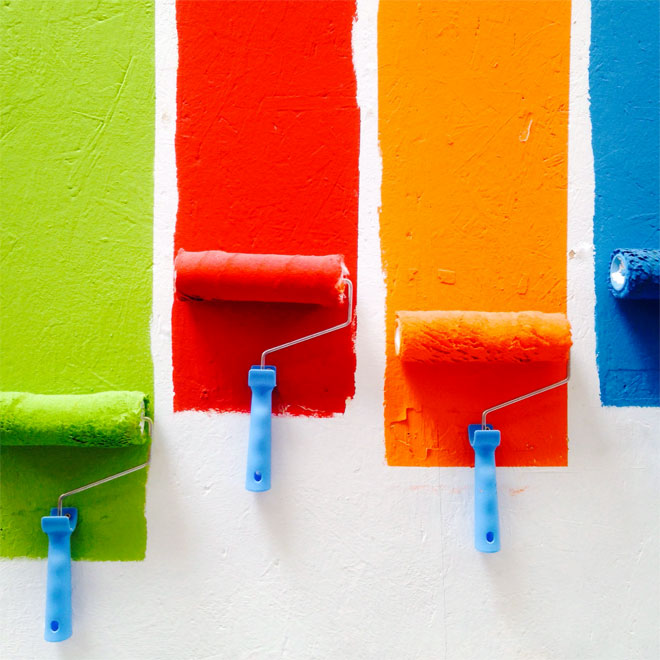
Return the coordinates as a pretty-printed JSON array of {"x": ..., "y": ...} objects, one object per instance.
[{"x": 77, "y": 145}]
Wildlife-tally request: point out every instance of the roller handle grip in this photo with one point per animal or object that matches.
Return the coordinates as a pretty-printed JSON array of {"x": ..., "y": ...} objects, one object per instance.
[
  {"x": 486, "y": 514},
  {"x": 58, "y": 624},
  {"x": 261, "y": 382}
]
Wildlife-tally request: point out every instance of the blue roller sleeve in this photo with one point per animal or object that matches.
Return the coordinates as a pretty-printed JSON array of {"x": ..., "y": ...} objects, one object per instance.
[
  {"x": 58, "y": 587},
  {"x": 486, "y": 515},
  {"x": 635, "y": 274},
  {"x": 261, "y": 382}
]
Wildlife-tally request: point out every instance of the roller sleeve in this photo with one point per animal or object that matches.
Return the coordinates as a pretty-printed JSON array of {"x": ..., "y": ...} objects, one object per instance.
[
  {"x": 104, "y": 419},
  {"x": 463, "y": 336},
  {"x": 216, "y": 275}
]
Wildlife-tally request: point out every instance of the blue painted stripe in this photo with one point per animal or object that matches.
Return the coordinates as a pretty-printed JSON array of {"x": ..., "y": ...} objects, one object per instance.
[{"x": 624, "y": 84}]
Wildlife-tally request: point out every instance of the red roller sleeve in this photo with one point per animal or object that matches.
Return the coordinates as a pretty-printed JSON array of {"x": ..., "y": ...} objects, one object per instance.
[{"x": 217, "y": 275}]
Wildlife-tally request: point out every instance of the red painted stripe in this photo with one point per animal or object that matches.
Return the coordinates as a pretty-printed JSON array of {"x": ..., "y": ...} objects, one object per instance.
[{"x": 267, "y": 156}]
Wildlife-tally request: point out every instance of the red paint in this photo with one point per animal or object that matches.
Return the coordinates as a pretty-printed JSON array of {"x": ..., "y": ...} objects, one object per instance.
[{"x": 267, "y": 157}]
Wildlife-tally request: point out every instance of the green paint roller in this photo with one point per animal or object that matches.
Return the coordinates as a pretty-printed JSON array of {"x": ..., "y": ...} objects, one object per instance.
[{"x": 105, "y": 419}]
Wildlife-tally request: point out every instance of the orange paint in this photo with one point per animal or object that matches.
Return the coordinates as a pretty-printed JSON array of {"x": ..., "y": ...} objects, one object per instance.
[{"x": 473, "y": 103}]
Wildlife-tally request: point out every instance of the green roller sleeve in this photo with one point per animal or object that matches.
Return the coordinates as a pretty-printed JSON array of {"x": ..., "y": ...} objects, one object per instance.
[{"x": 106, "y": 419}]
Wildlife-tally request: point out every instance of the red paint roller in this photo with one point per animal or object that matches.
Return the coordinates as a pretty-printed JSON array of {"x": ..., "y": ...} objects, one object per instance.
[
  {"x": 458, "y": 336},
  {"x": 215, "y": 275}
]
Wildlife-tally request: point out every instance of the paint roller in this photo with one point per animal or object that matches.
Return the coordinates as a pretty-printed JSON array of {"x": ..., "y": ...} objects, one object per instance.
[
  {"x": 105, "y": 419},
  {"x": 305, "y": 279},
  {"x": 635, "y": 274},
  {"x": 462, "y": 337}
]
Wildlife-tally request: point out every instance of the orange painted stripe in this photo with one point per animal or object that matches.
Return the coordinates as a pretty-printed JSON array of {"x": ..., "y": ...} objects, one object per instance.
[{"x": 473, "y": 102}]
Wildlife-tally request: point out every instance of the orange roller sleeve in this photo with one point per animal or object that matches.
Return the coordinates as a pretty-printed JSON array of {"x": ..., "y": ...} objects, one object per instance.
[
  {"x": 217, "y": 275},
  {"x": 457, "y": 336}
]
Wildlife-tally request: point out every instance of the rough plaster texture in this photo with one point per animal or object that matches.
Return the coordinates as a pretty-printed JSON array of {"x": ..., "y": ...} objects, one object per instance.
[
  {"x": 348, "y": 558},
  {"x": 77, "y": 195}
]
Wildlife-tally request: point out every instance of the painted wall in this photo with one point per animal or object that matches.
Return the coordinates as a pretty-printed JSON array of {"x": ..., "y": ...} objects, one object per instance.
[
  {"x": 348, "y": 557},
  {"x": 77, "y": 190},
  {"x": 267, "y": 161},
  {"x": 474, "y": 145},
  {"x": 625, "y": 95}
]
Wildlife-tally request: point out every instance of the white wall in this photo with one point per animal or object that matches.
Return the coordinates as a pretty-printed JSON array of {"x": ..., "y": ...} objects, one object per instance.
[{"x": 346, "y": 557}]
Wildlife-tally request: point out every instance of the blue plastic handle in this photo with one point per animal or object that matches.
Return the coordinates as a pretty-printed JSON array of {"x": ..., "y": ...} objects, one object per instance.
[
  {"x": 58, "y": 586},
  {"x": 486, "y": 514},
  {"x": 261, "y": 382}
]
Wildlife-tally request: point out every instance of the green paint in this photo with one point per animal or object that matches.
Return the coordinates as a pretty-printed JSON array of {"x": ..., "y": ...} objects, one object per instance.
[
  {"x": 105, "y": 419},
  {"x": 77, "y": 142}
]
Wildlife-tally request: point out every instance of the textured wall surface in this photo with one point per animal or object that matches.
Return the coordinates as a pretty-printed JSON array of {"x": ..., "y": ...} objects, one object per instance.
[
  {"x": 624, "y": 87},
  {"x": 77, "y": 195},
  {"x": 474, "y": 145},
  {"x": 267, "y": 156},
  {"x": 346, "y": 557}
]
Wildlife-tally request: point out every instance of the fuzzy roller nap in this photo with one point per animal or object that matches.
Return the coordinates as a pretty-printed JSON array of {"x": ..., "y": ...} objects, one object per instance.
[
  {"x": 457, "y": 336},
  {"x": 635, "y": 274},
  {"x": 460, "y": 336},
  {"x": 106, "y": 420},
  {"x": 215, "y": 275}
]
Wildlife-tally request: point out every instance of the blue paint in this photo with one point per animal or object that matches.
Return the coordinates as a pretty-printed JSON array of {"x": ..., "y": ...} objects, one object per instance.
[{"x": 624, "y": 84}]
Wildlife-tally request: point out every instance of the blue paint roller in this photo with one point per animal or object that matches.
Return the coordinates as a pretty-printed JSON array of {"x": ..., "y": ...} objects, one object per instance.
[
  {"x": 59, "y": 526},
  {"x": 635, "y": 274},
  {"x": 214, "y": 275},
  {"x": 484, "y": 439},
  {"x": 470, "y": 336}
]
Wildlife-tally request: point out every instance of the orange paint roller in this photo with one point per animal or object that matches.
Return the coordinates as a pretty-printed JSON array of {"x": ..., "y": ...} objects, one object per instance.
[
  {"x": 215, "y": 275},
  {"x": 460, "y": 336},
  {"x": 455, "y": 336}
]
